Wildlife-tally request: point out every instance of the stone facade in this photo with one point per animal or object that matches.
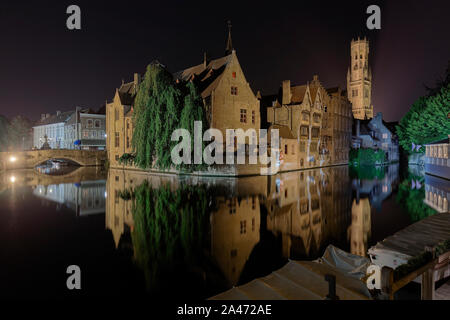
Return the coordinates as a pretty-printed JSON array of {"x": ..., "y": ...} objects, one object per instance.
[
  {"x": 229, "y": 101},
  {"x": 119, "y": 125},
  {"x": 319, "y": 119},
  {"x": 300, "y": 109},
  {"x": 337, "y": 126},
  {"x": 359, "y": 80}
]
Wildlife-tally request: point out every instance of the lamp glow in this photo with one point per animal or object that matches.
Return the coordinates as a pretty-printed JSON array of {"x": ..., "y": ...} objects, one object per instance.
[
  {"x": 12, "y": 159},
  {"x": 12, "y": 179}
]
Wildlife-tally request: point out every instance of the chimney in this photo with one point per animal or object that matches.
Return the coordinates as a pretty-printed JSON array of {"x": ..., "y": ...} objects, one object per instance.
[
  {"x": 58, "y": 113},
  {"x": 205, "y": 60},
  {"x": 42, "y": 116},
  {"x": 136, "y": 79},
  {"x": 286, "y": 91},
  {"x": 47, "y": 115},
  {"x": 315, "y": 78}
]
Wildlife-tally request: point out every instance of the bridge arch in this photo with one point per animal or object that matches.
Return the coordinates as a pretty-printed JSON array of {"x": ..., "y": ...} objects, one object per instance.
[{"x": 30, "y": 159}]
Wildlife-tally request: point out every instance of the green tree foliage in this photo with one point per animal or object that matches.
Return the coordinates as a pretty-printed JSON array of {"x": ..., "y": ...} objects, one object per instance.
[
  {"x": 19, "y": 132},
  {"x": 161, "y": 106},
  {"x": 4, "y": 125},
  {"x": 412, "y": 199},
  {"x": 170, "y": 232},
  {"x": 427, "y": 120},
  {"x": 358, "y": 157},
  {"x": 193, "y": 110}
]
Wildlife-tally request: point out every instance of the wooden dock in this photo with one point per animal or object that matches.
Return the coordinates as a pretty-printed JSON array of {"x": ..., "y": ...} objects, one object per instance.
[{"x": 413, "y": 240}]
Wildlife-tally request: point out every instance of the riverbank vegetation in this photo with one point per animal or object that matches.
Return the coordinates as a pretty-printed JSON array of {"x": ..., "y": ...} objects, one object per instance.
[
  {"x": 163, "y": 105},
  {"x": 427, "y": 120},
  {"x": 412, "y": 198},
  {"x": 171, "y": 236},
  {"x": 368, "y": 157},
  {"x": 14, "y": 134}
]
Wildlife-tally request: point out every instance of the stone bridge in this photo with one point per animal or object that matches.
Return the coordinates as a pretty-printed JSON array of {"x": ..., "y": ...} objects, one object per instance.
[{"x": 30, "y": 159}]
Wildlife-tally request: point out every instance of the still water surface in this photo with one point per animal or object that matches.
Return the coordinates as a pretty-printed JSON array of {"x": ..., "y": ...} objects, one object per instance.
[{"x": 134, "y": 234}]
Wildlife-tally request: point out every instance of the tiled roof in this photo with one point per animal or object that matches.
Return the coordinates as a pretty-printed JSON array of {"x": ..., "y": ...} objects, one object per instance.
[
  {"x": 298, "y": 93},
  {"x": 55, "y": 118},
  {"x": 283, "y": 131},
  {"x": 127, "y": 93},
  {"x": 206, "y": 77}
]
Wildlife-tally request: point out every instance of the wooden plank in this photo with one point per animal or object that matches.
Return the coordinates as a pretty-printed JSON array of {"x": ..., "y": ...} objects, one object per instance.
[{"x": 410, "y": 277}]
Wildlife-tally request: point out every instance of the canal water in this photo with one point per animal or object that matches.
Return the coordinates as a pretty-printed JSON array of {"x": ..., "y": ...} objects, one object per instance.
[{"x": 165, "y": 236}]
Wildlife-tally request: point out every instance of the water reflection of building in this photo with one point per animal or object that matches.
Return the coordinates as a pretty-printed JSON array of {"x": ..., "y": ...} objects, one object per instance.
[
  {"x": 376, "y": 188},
  {"x": 234, "y": 233},
  {"x": 359, "y": 230},
  {"x": 234, "y": 225},
  {"x": 86, "y": 197},
  {"x": 437, "y": 193},
  {"x": 308, "y": 208}
]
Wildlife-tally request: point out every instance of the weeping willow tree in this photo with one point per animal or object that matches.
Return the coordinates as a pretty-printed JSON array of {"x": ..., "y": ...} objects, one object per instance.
[
  {"x": 156, "y": 113},
  {"x": 170, "y": 232},
  {"x": 161, "y": 106}
]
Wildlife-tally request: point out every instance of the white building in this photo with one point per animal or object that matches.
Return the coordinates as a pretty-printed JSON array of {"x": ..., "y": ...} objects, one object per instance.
[
  {"x": 51, "y": 126},
  {"x": 79, "y": 129}
]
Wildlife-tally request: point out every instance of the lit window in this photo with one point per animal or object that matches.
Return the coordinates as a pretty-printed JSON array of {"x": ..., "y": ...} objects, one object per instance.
[
  {"x": 243, "y": 115},
  {"x": 234, "y": 74},
  {"x": 116, "y": 142}
]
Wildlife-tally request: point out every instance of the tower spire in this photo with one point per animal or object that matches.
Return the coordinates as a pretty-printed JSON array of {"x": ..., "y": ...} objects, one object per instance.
[{"x": 229, "y": 47}]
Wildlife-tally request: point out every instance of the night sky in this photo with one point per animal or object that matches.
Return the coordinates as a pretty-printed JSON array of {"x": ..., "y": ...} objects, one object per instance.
[{"x": 45, "y": 67}]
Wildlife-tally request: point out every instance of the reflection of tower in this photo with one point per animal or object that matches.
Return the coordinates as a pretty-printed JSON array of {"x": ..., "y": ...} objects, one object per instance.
[
  {"x": 359, "y": 230},
  {"x": 359, "y": 80},
  {"x": 234, "y": 234}
]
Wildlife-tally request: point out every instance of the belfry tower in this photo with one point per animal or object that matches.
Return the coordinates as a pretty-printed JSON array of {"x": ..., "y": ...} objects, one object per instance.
[{"x": 359, "y": 80}]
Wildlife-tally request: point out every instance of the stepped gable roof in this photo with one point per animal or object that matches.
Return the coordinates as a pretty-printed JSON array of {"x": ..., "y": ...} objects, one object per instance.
[
  {"x": 207, "y": 76},
  {"x": 55, "y": 118}
]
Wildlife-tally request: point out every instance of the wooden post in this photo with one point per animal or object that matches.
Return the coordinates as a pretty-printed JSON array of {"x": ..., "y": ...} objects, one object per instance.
[
  {"x": 331, "y": 287},
  {"x": 387, "y": 280},
  {"x": 427, "y": 286},
  {"x": 427, "y": 292}
]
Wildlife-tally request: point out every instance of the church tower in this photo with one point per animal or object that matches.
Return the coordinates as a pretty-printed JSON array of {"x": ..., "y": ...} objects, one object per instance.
[{"x": 359, "y": 80}]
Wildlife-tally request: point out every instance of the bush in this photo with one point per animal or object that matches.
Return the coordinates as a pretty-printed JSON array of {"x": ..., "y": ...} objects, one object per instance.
[{"x": 367, "y": 157}]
